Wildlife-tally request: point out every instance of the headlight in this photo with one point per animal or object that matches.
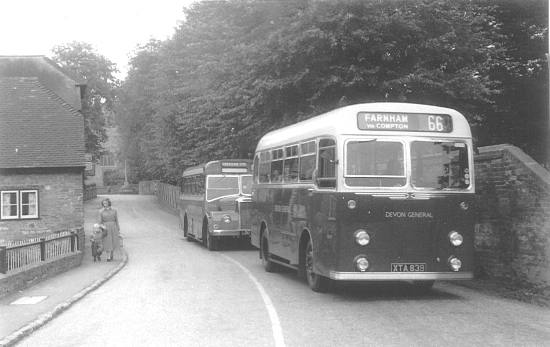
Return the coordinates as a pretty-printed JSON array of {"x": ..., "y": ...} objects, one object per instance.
[
  {"x": 455, "y": 238},
  {"x": 362, "y": 237},
  {"x": 352, "y": 204},
  {"x": 455, "y": 263},
  {"x": 362, "y": 264},
  {"x": 464, "y": 205},
  {"x": 226, "y": 218}
]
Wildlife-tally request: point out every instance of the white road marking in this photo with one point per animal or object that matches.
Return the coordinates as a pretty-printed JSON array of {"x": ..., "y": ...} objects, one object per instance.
[
  {"x": 28, "y": 300},
  {"x": 275, "y": 324}
]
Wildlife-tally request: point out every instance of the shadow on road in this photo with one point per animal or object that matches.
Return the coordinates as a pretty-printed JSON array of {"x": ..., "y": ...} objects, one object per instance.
[
  {"x": 231, "y": 245},
  {"x": 390, "y": 291},
  {"x": 373, "y": 291},
  {"x": 351, "y": 291}
]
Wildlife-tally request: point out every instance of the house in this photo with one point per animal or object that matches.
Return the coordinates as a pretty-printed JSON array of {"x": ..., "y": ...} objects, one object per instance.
[{"x": 41, "y": 149}]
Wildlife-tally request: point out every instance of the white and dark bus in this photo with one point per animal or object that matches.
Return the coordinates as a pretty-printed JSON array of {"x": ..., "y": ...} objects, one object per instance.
[
  {"x": 367, "y": 192},
  {"x": 212, "y": 200}
]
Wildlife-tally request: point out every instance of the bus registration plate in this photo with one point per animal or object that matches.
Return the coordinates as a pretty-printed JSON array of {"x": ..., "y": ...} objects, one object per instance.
[{"x": 408, "y": 267}]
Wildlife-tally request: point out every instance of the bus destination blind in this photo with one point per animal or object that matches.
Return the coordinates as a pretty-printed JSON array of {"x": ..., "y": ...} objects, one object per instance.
[{"x": 390, "y": 121}]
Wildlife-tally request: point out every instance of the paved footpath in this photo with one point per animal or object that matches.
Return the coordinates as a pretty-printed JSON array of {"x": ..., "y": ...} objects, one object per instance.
[{"x": 20, "y": 314}]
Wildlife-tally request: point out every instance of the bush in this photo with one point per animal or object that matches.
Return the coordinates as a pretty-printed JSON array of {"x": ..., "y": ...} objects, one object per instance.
[{"x": 113, "y": 178}]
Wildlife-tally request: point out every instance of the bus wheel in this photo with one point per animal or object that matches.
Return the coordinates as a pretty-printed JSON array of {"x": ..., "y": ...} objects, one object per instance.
[
  {"x": 205, "y": 234},
  {"x": 423, "y": 286},
  {"x": 186, "y": 229},
  {"x": 268, "y": 265},
  {"x": 315, "y": 281},
  {"x": 212, "y": 242}
]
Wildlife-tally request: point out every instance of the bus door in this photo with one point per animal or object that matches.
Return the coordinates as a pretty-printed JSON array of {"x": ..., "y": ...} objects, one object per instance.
[
  {"x": 279, "y": 209},
  {"x": 323, "y": 201}
]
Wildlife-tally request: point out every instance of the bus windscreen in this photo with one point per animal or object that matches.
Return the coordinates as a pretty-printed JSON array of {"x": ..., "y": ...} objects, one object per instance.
[
  {"x": 440, "y": 165},
  {"x": 373, "y": 163},
  {"x": 246, "y": 185},
  {"x": 219, "y": 186}
]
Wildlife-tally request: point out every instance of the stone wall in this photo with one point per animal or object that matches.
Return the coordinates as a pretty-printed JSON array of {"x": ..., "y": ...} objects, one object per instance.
[
  {"x": 513, "y": 222},
  {"x": 60, "y": 198}
]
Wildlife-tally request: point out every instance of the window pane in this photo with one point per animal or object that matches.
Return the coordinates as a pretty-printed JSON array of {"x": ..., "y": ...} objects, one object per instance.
[
  {"x": 246, "y": 184},
  {"x": 291, "y": 151},
  {"x": 307, "y": 165},
  {"x": 291, "y": 170},
  {"x": 327, "y": 163},
  {"x": 277, "y": 154},
  {"x": 326, "y": 142},
  {"x": 276, "y": 171},
  {"x": 256, "y": 168},
  {"x": 9, "y": 198},
  {"x": 308, "y": 147},
  {"x": 9, "y": 204},
  {"x": 440, "y": 165},
  {"x": 222, "y": 186},
  {"x": 265, "y": 169},
  {"x": 374, "y": 158}
]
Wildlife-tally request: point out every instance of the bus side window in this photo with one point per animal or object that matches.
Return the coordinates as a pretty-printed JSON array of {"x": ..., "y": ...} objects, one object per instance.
[
  {"x": 200, "y": 185},
  {"x": 264, "y": 167},
  {"x": 291, "y": 164},
  {"x": 277, "y": 165},
  {"x": 307, "y": 160},
  {"x": 256, "y": 168},
  {"x": 327, "y": 163}
]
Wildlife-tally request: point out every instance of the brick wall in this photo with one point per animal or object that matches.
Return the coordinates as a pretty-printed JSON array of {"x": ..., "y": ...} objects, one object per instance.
[
  {"x": 60, "y": 201},
  {"x": 513, "y": 223},
  {"x": 29, "y": 276}
]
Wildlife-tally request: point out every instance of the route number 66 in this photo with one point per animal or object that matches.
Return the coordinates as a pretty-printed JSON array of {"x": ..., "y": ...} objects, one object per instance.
[{"x": 435, "y": 123}]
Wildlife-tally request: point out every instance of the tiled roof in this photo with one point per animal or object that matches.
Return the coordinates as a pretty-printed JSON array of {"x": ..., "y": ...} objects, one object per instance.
[{"x": 37, "y": 128}]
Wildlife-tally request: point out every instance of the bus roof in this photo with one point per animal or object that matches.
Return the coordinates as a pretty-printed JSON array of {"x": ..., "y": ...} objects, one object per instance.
[
  {"x": 344, "y": 121},
  {"x": 219, "y": 166}
]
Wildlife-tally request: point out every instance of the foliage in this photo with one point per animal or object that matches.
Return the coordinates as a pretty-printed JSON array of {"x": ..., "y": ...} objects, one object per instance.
[
  {"x": 98, "y": 72},
  {"x": 237, "y": 69},
  {"x": 113, "y": 178}
]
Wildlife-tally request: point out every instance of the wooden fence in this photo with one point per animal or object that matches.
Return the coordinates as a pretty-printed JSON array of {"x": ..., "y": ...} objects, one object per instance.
[
  {"x": 148, "y": 187},
  {"x": 21, "y": 254},
  {"x": 168, "y": 195}
]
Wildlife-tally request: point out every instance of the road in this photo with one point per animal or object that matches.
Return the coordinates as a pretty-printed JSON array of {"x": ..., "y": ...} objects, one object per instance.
[{"x": 174, "y": 292}]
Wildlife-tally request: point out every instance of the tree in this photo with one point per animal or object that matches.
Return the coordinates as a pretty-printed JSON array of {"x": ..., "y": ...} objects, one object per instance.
[
  {"x": 237, "y": 69},
  {"x": 82, "y": 60}
]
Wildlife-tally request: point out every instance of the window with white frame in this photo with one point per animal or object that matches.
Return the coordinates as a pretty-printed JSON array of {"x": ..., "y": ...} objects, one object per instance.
[{"x": 19, "y": 204}]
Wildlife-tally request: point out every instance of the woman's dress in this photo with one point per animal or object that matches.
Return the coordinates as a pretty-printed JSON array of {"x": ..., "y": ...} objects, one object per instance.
[{"x": 108, "y": 217}]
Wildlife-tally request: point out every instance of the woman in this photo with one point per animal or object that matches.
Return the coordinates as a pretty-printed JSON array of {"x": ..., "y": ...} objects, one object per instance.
[{"x": 108, "y": 217}]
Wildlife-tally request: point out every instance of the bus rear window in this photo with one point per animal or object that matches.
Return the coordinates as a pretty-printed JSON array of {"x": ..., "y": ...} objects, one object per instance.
[
  {"x": 440, "y": 165},
  {"x": 218, "y": 186},
  {"x": 373, "y": 163}
]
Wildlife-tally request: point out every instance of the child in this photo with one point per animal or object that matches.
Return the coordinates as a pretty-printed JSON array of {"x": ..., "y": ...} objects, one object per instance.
[{"x": 97, "y": 242}]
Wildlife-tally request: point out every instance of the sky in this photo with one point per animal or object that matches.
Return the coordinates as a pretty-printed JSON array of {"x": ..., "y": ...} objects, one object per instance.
[{"x": 113, "y": 27}]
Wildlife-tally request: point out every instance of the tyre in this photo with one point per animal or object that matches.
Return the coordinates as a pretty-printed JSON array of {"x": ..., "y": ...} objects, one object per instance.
[
  {"x": 316, "y": 282},
  {"x": 205, "y": 234},
  {"x": 268, "y": 265},
  {"x": 186, "y": 229},
  {"x": 212, "y": 242}
]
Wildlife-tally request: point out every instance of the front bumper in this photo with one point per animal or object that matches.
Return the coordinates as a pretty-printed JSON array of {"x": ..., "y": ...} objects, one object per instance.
[
  {"x": 396, "y": 276},
  {"x": 231, "y": 233}
]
